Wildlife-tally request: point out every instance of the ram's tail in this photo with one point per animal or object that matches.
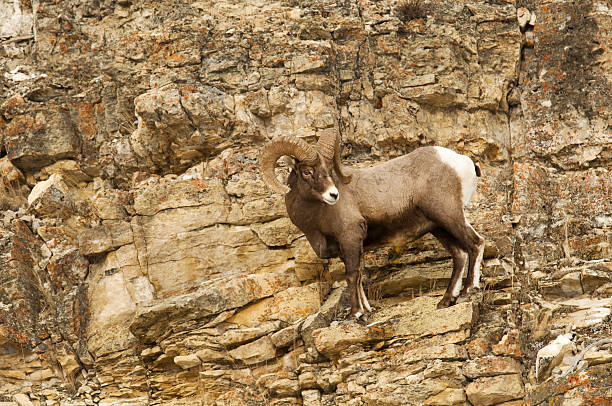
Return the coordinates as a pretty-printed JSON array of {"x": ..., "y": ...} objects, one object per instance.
[{"x": 477, "y": 168}]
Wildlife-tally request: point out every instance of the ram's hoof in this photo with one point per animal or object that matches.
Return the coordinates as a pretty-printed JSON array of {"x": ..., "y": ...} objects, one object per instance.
[
  {"x": 359, "y": 317},
  {"x": 462, "y": 299},
  {"x": 445, "y": 302},
  {"x": 467, "y": 294}
]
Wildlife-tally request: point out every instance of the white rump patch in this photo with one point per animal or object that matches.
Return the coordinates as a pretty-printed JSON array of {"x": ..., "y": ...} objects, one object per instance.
[{"x": 464, "y": 168}]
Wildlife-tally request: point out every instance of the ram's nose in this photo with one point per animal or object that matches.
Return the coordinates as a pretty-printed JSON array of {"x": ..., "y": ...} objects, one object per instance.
[{"x": 331, "y": 195}]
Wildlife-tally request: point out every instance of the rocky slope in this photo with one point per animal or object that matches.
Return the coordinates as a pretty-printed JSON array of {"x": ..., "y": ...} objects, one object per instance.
[{"x": 143, "y": 261}]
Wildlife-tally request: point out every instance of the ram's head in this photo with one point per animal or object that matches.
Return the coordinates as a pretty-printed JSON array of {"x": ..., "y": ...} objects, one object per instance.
[{"x": 313, "y": 168}]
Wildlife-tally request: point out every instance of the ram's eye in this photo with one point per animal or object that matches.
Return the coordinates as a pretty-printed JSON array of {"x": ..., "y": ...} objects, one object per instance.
[{"x": 307, "y": 172}]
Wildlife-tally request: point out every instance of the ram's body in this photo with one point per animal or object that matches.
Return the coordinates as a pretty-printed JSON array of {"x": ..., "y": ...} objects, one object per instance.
[
  {"x": 389, "y": 197},
  {"x": 341, "y": 210}
]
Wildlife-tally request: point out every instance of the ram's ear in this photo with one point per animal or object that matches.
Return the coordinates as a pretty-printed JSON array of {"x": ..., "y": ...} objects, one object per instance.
[{"x": 289, "y": 161}]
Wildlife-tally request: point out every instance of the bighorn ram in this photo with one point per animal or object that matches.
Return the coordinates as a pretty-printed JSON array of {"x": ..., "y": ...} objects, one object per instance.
[{"x": 341, "y": 210}]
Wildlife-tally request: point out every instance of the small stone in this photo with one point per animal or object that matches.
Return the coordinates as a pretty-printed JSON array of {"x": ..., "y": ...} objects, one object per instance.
[
  {"x": 286, "y": 336},
  {"x": 529, "y": 39},
  {"x": 311, "y": 397},
  {"x": 50, "y": 198},
  {"x": 592, "y": 279},
  {"x": 22, "y": 400},
  {"x": 69, "y": 363},
  {"x": 307, "y": 380},
  {"x": 439, "y": 368},
  {"x": 478, "y": 347},
  {"x": 311, "y": 324},
  {"x": 85, "y": 389},
  {"x": 355, "y": 389},
  {"x": 150, "y": 353},
  {"x": 329, "y": 381},
  {"x": 284, "y": 387},
  {"x": 523, "y": 16},
  {"x": 509, "y": 345},
  {"x": 552, "y": 355},
  {"x": 233, "y": 337},
  {"x": 448, "y": 397},
  {"x": 502, "y": 298},
  {"x": 187, "y": 361}
]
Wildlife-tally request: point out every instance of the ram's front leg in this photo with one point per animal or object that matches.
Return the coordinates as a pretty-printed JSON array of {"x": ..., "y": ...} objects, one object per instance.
[{"x": 351, "y": 254}]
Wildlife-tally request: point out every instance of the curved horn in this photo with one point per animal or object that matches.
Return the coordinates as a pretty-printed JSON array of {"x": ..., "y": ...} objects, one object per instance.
[
  {"x": 329, "y": 147},
  {"x": 283, "y": 145}
]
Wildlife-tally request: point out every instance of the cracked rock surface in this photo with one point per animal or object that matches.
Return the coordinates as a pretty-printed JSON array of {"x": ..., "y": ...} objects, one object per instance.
[{"x": 144, "y": 262}]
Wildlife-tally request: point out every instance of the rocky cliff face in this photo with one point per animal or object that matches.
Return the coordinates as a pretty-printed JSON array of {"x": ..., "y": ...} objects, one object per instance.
[{"x": 144, "y": 262}]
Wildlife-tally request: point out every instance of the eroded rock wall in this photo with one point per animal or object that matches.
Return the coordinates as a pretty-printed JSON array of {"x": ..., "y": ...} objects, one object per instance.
[{"x": 144, "y": 262}]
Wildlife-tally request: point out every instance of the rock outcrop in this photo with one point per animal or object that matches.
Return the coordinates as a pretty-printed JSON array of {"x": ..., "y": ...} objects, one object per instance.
[{"x": 144, "y": 262}]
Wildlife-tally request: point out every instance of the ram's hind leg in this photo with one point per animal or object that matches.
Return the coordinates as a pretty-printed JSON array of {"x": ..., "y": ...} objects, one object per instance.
[
  {"x": 448, "y": 215},
  {"x": 460, "y": 258},
  {"x": 363, "y": 299},
  {"x": 476, "y": 251}
]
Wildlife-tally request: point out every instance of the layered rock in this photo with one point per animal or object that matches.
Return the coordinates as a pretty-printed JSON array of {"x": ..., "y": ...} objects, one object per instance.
[{"x": 143, "y": 260}]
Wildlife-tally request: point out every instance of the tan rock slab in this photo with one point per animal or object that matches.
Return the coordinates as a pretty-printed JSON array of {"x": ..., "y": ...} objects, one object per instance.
[
  {"x": 212, "y": 298},
  {"x": 277, "y": 233},
  {"x": 553, "y": 354},
  {"x": 208, "y": 355},
  {"x": 187, "y": 361},
  {"x": 478, "y": 347},
  {"x": 332, "y": 340},
  {"x": 233, "y": 337},
  {"x": 253, "y": 353},
  {"x": 69, "y": 363},
  {"x": 587, "y": 317},
  {"x": 493, "y": 390},
  {"x": 595, "y": 357},
  {"x": 22, "y": 399},
  {"x": 171, "y": 194},
  {"x": 41, "y": 374},
  {"x": 307, "y": 380},
  {"x": 284, "y": 387},
  {"x": 288, "y": 306},
  {"x": 491, "y": 366},
  {"x": 13, "y": 374},
  {"x": 446, "y": 352},
  {"x": 183, "y": 247},
  {"x": 420, "y": 317},
  {"x": 286, "y": 336},
  {"x": 448, "y": 397}
]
